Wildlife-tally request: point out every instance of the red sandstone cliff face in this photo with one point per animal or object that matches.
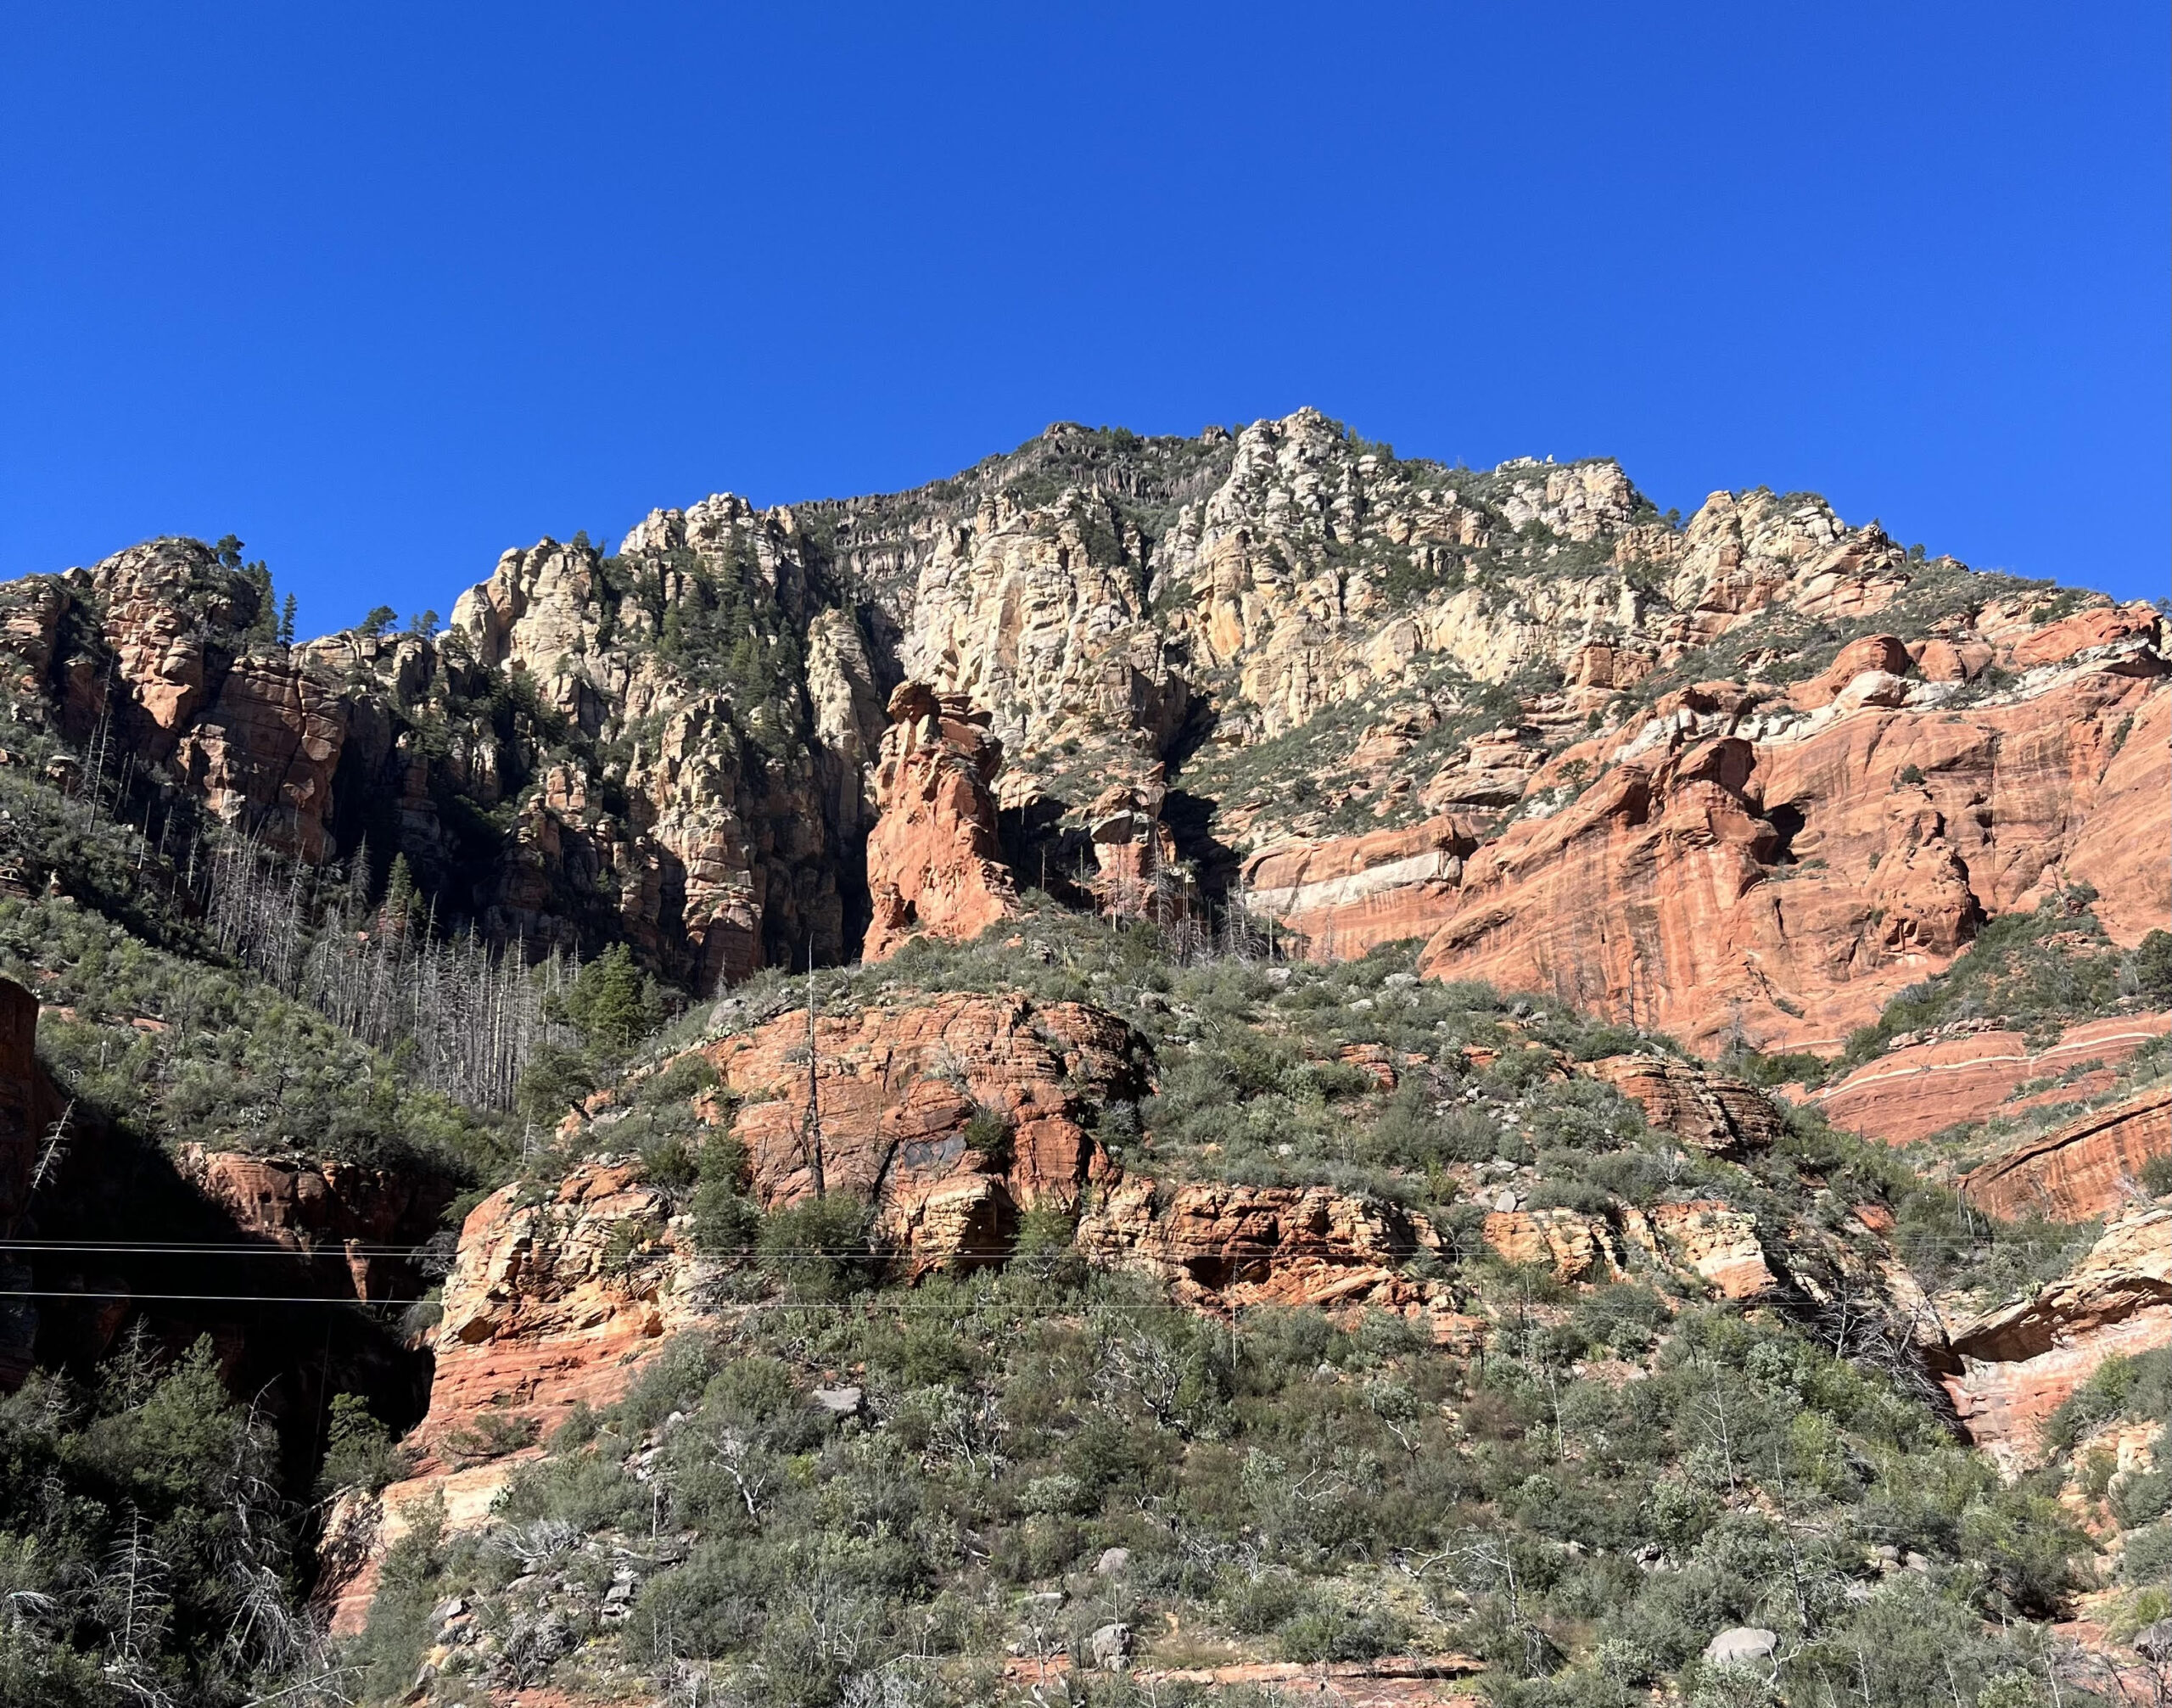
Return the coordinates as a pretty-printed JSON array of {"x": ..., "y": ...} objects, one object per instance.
[
  {"x": 2020, "y": 1363},
  {"x": 340, "y": 1213},
  {"x": 1918, "y": 1089},
  {"x": 716, "y": 838},
  {"x": 1343, "y": 896},
  {"x": 1783, "y": 891},
  {"x": 2092, "y": 1165},
  {"x": 552, "y": 1300},
  {"x": 897, "y": 1090},
  {"x": 934, "y": 864}
]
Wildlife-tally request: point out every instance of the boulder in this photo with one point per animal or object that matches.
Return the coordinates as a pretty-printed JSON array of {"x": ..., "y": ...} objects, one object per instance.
[
  {"x": 1743, "y": 1646},
  {"x": 1110, "y": 1647}
]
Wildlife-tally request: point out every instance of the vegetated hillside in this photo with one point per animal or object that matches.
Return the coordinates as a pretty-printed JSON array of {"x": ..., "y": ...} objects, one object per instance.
[{"x": 1329, "y": 1220}]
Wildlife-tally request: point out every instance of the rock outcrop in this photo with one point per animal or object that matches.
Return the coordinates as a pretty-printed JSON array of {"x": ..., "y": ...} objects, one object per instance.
[
  {"x": 1699, "y": 1241},
  {"x": 552, "y": 1300},
  {"x": 721, "y": 837},
  {"x": 2020, "y": 1363},
  {"x": 934, "y": 859},
  {"x": 341, "y": 1215},
  {"x": 680, "y": 745},
  {"x": 1223, "y": 1247},
  {"x": 1781, "y": 891},
  {"x": 2092, "y": 1165},
  {"x": 1343, "y": 896},
  {"x": 1920, "y": 1089},
  {"x": 952, "y": 1117},
  {"x": 1137, "y": 873},
  {"x": 1708, "y": 1111}
]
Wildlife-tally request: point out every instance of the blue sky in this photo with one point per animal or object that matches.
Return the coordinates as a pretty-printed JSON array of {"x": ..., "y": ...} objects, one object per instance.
[{"x": 384, "y": 290}]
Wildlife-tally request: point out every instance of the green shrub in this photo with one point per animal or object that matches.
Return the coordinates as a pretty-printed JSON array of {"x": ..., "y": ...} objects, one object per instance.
[{"x": 818, "y": 1247}]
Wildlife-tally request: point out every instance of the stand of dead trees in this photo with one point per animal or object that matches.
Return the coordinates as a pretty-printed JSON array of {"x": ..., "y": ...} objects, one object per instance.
[{"x": 465, "y": 1016}]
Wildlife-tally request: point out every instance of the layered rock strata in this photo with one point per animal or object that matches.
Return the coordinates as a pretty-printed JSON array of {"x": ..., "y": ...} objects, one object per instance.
[
  {"x": 1226, "y": 1247},
  {"x": 1918, "y": 1089},
  {"x": 1343, "y": 896},
  {"x": 1780, "y": 892},
  {"x": 2020, "y": 1363},
  {"x": 1708, "y": 1111},
  {"x": 1701, "y": 1241},
  {"x": 676, "y": 745},
  {"x": 2091, "y": 1166}
]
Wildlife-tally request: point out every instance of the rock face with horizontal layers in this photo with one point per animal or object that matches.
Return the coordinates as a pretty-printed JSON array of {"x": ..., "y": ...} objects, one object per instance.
[
  {"x": 934, "y": 862},
  {"x": 1224, "y": 1247},
  {"x": 1781, "y": 892},
  {"x": 2020, "y": 1363},
  {"x": 952, "y": 1117},
  {"x": 1920, "y": 1088},
  {"x": 2092, "y": 1165},
  {"x": 553, "y": 1303},
  {"x": 1343, "y": 896}
]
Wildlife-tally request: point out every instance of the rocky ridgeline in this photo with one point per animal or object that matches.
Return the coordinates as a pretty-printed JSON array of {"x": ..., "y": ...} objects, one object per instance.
[{"x": 683, "y": 745}]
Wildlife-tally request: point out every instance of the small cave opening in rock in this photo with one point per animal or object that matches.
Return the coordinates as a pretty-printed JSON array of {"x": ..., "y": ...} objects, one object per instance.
[{"x": 1787, "y": 820}]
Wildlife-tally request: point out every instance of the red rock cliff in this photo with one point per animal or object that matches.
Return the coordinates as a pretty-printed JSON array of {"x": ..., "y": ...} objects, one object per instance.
[
  {"x": 1783, "y": 892},
  {"x": 897, "y": 1090},
  {"x": 934, "y": 864}
]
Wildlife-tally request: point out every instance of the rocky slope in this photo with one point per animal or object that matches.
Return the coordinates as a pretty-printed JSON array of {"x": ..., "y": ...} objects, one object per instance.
[{"x": 1647, "y": 791}]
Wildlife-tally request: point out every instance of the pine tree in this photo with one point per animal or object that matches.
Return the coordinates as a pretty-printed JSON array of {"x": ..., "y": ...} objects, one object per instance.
[
  {"x": 287, "y": 621},
  {"x": 397, "y": 910}
]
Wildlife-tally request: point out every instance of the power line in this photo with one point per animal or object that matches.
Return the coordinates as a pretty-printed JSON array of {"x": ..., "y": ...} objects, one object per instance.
[
  {"x": 90, "y": 1295},
  {"x": 214, "y": 1250}
]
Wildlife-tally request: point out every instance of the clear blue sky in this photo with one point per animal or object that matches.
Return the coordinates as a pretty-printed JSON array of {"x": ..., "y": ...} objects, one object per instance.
[{"x": 384, "y": 290}]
